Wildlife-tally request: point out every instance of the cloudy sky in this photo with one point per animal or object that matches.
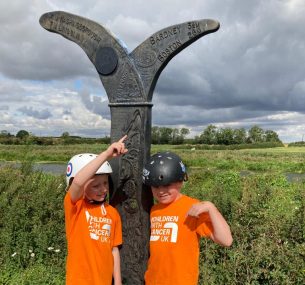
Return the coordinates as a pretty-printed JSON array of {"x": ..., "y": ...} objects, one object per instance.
[{"x": 251, "y": 71}]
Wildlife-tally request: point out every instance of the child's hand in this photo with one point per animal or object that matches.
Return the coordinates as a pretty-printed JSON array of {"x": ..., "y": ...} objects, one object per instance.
[
  {"x": 117, "y": 148},
  {"x": 199, "y": 208},
  {"x": 221, "y": 232}
]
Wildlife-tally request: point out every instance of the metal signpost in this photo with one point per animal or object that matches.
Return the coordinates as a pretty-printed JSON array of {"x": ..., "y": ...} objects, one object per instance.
[{"x": 129, "y": 79}]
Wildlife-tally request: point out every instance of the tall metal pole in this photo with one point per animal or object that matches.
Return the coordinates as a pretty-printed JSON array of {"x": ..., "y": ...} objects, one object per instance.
[{"x": 129, "y": 80}]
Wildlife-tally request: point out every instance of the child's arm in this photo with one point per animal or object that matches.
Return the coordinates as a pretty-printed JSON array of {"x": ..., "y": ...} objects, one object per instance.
[
  {"x": 76, "y": 189},
  {"x": 116, "y": 266},
  {"x": 221, "y": 230}
]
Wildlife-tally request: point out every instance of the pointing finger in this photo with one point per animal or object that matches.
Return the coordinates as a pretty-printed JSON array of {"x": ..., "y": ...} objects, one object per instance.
[{"x": 123, "y": 138}]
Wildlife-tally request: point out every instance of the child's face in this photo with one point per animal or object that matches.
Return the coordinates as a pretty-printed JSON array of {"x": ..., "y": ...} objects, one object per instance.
[
  {"x": 97, "y": 187},
  {"x": 168, "y": 193}
]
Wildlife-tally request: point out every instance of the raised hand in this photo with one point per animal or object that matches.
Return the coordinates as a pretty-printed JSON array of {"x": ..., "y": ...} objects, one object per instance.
[
  {"x": 199, "y": 208},
  {"x": 117, "y": 148},
  {"x": 221, "y": 231}
]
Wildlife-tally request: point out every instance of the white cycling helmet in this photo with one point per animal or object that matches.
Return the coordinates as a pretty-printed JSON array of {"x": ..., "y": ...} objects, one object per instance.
[{"x": 77, "y": 162}]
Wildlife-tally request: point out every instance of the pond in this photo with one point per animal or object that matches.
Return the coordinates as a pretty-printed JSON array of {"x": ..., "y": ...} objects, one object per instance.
[
  {"x": 60, "y": 168},
  {"x": 53, "y": 168}
]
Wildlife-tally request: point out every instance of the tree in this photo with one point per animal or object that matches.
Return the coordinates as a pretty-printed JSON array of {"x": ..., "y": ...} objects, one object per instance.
[
  {"x": 271, "y": 136},
  {"x": 209, "y": 135},
  {"x": 239, "y": 136},
  {"x": 5, "y": 133},
  {"x": 155, "y": 135},
  {"x": 224, "y": 136},
  {"x": 65, "y": 135},
  {"x": 256, "y": 134},
  {"x": 165, "y": 135},
  {"x": 184, "y": 132},
  {"x": 22, "y": 134},
  {"x": 175, "y": 136}
]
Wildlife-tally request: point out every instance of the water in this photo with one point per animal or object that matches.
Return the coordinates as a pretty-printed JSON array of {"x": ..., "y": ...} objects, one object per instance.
[
  {"x": 60, "y": 168},
  {"x": 53, "y": 168},
  {"x": 295, "y": 177}
]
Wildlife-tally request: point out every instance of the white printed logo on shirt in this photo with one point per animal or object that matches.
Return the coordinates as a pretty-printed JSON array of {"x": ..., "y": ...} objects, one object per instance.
[
  {"x": 164, "y": 228},
  {"x": 99, "y": 227}
]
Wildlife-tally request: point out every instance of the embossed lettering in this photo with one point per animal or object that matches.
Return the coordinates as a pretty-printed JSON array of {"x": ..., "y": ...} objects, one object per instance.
[
  {"x": 194, "y": 29},
  {"x": 72, "y": 28},
  {"x": 171, "y": 48},
  {"x": 164, "y": 35}
]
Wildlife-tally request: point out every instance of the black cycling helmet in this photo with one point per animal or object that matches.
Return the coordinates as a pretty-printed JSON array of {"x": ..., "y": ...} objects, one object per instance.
[{"x": 164, "y": 168}]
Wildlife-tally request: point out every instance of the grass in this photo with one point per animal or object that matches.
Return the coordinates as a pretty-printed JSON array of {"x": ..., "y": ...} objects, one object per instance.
[
  {"x": 266, "y": 213},
  {"x": 273, "y": 160}
]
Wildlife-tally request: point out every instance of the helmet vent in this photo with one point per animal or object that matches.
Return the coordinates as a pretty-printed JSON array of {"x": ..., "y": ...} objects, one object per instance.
[{"x": 161, "y": 177}]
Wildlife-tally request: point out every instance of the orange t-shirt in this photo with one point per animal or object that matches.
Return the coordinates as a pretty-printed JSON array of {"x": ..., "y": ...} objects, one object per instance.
[
  {"x": 174, "y": 243},
  {"x": 92, "y": 231}
]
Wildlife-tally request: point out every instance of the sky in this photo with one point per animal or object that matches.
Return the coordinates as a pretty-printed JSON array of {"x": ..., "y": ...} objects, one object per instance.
[{"x": 250, "y": 72}]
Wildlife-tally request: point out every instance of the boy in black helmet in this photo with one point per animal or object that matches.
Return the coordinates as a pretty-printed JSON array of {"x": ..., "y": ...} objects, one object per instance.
[{"x": 177, "y": 222}]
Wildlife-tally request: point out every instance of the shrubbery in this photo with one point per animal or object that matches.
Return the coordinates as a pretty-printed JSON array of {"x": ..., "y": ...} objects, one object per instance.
[
  {"x": 230, "y": 147},
  {"x": 301, "y": 143},
  {"x": 34, "y": 140},
  {"x": 266, "y": 214},
  {"x": 267, "y": 218},
  {"x": 32, "y": 239}
]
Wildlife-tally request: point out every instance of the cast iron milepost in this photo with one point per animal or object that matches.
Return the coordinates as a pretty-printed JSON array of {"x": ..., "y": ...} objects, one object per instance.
[{"x": 129, "y": 79}]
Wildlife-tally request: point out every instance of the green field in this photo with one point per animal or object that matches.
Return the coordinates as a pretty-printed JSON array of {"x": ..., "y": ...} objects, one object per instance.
[
  {"x": 253, "y": 189},
  {"x": 283, "y": 159}
]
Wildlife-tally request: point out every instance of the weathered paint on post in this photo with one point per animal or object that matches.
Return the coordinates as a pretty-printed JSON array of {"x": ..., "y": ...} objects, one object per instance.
[{"x": 129, "y": 80}]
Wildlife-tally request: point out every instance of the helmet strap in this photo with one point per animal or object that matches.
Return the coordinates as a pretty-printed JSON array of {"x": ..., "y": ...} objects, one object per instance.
[
  {"x": 186, "y": 177},
  {"x": 97, "y": 202}
]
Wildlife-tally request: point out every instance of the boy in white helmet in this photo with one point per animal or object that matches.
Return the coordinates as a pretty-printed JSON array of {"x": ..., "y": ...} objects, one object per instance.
[{"x": 93, "y": 227}]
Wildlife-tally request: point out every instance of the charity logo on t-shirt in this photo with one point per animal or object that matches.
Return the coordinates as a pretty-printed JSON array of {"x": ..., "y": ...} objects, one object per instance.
[
  {"x": 164, "y": 228},
  {"x": 99, "y": 227}
]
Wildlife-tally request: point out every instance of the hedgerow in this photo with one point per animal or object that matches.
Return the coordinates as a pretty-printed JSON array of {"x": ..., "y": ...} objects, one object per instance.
[{"x": 265, "y": 211}]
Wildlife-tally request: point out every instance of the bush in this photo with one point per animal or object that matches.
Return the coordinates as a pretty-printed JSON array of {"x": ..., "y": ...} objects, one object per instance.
[
  {"x": 301, "y": 143},
  {"x": 32, "y": 233},
  {"x": 266, "y": 214},
  {"x": 230, "y": 147}
]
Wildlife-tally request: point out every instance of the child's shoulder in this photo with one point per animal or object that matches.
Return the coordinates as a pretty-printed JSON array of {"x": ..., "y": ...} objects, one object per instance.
[
  {"x": 190, "y": 199},
  {"x": 183, "y": 201},
  {"x": 187, "y": 201},
  {"x": 111, "y": 209}
]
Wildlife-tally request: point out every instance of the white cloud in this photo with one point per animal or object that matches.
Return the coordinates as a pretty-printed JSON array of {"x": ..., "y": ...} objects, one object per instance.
[
  {"x": 248, "y": 72},
  {"x": 51, "y": 111}
]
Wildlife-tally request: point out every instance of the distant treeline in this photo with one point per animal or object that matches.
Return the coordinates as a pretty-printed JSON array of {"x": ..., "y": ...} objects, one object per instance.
[
  {"x": 301, "y": 143},
  {"x": 211, "y": 135},
  {"x": 24, "y": 137}
]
